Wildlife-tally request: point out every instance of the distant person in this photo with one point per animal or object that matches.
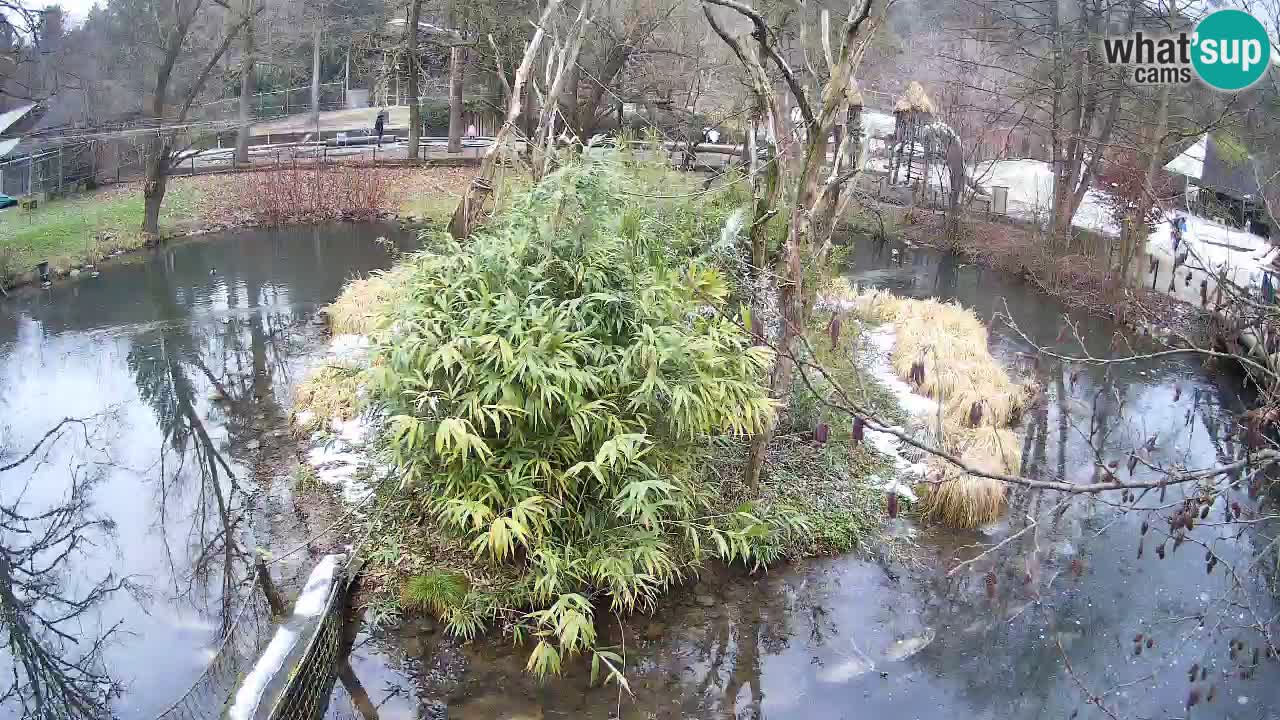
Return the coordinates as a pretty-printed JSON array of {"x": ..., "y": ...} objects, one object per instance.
[
  {"x": 1179, "y": 226},
  {"x": 471, "y": 130},
  {"x": 380, "y": 124}
]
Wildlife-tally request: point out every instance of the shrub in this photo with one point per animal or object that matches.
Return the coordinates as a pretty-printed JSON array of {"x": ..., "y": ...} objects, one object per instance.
[
  {"x": 551, "y": 386},
  {"x": 339, "y": 192}
]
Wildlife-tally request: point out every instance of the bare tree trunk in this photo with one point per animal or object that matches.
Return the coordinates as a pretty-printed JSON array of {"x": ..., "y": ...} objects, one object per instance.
[
  {"x": 315, "y": 81},
  {"x": 246, "y": 93},
  {"x": 589, "y": 112},
  {"x": 1134, "y": 233},
  {"x": 411, "y": 52},
  {"x": 153, "y": 187},
  {"x": 569, "y": 107},
  {"x": 473, "y": 201},
  {"x": 456, "y": 59}
]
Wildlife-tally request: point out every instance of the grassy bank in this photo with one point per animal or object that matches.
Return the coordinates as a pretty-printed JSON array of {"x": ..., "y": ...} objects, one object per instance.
[
  {"x": 83, "y": 229},
  {"x": 77, "y": 230}
]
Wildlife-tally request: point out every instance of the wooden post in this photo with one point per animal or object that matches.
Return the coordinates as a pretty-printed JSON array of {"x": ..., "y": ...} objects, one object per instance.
[{"x": 268, "y": 586}]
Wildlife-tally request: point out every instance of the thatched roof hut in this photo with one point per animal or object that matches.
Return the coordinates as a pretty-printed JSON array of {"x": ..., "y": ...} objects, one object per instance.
[{"x": 915, "y": 99}]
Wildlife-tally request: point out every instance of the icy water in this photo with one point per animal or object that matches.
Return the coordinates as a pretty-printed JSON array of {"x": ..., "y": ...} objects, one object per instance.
[
  {"x": 124, "y": 538},
  {"x": 1032, "y": 630}
]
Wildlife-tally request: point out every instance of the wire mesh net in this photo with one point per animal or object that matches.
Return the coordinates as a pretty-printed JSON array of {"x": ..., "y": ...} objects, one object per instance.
[
  {"x": 247, "y": 634},
  {"x": 309, "y": 685},
  {"x": 306, "y": 696}
]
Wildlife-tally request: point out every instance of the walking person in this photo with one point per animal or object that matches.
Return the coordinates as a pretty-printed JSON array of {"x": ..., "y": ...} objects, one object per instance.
[{"x": 380, "y": 124}]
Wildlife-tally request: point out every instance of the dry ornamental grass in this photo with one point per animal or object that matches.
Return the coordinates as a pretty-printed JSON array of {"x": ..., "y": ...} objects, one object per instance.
[{"x": 941, "y": 350}]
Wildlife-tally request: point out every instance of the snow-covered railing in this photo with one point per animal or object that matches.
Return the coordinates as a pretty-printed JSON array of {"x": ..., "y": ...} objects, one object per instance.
[{"x": 294, "y": 676}]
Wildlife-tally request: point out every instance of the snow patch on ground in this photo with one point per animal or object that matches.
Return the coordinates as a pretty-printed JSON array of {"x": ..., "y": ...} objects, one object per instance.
[
  {"x": 877, "y": 124},
  {"x": 310, "y": 604},
  {"x": 348, "y": 350},
  {"x": 882, "y": 340},
  {"x": 1030, "y": 184},
  {"x": 1213, "y": 248},
  {"x": 340, "y": 452}
]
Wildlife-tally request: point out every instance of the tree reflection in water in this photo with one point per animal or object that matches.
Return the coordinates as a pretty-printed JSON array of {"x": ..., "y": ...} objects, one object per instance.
[{"x": 54, "y": 670}]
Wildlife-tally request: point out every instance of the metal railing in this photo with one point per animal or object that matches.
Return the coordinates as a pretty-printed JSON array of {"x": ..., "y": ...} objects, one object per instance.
[{"x": 310, "y": 685}]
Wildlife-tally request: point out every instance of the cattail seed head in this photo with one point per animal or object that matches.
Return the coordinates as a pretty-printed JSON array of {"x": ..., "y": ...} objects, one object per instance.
[
  {"x": 975, "y": 414},
  {"x": 821, "y": 433}
]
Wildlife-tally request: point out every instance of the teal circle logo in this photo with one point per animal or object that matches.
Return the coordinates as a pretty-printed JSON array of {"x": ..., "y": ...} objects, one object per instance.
[{"x": 1231, "y": 50}]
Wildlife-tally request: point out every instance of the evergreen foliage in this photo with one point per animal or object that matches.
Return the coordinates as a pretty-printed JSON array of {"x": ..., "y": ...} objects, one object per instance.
[{"x": 552, "y": 385}]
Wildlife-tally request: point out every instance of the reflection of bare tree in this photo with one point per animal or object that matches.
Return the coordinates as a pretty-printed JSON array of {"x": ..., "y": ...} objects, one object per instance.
[
  {"x": 237, "y": 362},
  {"x": 55, "y": 669},
  {"x": 736, "y": 644}
]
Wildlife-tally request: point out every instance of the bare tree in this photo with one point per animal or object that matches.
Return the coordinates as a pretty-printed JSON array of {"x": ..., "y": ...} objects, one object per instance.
[
  {"x": 176, "y": 24},
  {"x": 480, "y": 192},
  {"x": 810, "y": 216},
  {"x": 561, "y": 61}
]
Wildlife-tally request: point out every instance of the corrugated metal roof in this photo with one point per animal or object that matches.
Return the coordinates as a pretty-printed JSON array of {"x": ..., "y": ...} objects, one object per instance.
[
  {"x": 13, "y": 116},
  {"x": 7, "y": 146},
  {"x": 1191, "y": 161}
]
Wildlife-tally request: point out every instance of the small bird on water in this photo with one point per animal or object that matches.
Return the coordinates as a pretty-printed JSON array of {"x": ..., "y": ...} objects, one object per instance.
[{"x": 213, "y": 271}]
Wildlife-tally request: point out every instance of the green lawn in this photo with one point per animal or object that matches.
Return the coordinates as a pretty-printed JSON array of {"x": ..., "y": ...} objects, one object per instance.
[{"x": 66, "y": 231}]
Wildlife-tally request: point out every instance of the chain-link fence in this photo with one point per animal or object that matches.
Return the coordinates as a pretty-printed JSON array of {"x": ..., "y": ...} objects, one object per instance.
[
  {"x": 306, "y": 696},
  {"x": 248, "y": 633}
]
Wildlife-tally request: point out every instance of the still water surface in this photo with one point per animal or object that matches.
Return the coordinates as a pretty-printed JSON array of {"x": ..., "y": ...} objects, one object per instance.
[
  {"x": 845, "y": 637},
  {"x": 183, "y": 377},
  {"x": 139, "y": 520}
]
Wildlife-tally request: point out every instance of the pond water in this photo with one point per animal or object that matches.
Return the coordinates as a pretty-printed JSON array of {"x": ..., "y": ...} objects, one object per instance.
[
  {"x": 1030, "y": 630},
  {"x": 126, "y": 535},
  {"x": 135, "y": 527}
]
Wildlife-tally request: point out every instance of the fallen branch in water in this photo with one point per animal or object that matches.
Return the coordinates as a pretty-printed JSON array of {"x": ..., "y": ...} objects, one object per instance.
[{"x": 1093, "y": 699}]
